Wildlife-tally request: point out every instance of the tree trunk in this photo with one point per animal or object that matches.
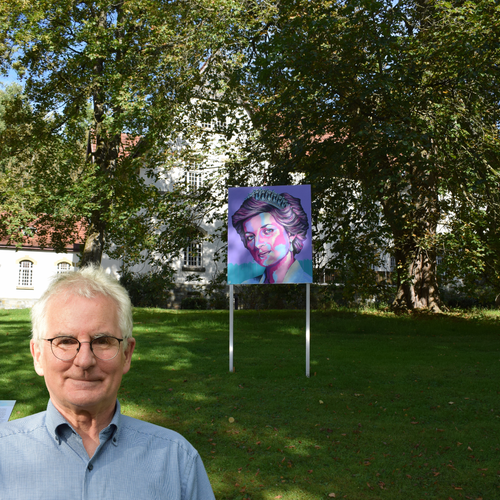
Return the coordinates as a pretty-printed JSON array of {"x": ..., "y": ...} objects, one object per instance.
[
  {"x": 416, "y": 281},
  {"x": 94, "y": 246},
  {"x": 414, "y": 222}
]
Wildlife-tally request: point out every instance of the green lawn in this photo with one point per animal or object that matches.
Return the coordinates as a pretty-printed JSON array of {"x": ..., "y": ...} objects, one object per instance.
[{"x": 396, "y": 407}]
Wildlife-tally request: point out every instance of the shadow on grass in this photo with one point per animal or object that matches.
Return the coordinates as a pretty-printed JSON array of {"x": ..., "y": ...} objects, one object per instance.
[{"x": 18, "y": 380}]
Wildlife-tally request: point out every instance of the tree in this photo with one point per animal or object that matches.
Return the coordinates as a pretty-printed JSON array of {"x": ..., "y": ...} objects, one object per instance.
[
  {"x": 391, "y": 111},
  {"x": 109, "y": 83},
  {"x": 21, "y": 194}
]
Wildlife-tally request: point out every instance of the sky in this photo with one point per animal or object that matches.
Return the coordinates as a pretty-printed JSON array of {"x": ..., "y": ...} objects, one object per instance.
[{"x": 7, "y": 80}]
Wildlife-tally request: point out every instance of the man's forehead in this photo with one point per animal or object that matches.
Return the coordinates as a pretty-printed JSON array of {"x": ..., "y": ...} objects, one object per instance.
[{"x": 69, "y": 300}]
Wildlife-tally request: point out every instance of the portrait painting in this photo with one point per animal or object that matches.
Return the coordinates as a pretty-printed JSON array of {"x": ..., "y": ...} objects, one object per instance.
[{"x": 269, "y": 235}]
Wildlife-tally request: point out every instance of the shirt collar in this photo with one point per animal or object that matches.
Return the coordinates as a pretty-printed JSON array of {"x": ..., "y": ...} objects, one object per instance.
[{"x": 57, "y": 425}]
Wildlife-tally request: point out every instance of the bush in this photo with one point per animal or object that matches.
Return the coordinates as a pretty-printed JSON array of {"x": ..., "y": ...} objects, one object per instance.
[
  {"x": 194, "y": 302},
  {"x": 217, "y": 292},
  {"x": 283, "y": 296},
  {"x": 147, "y": 290},
  {"x": 462, "y": 298}
]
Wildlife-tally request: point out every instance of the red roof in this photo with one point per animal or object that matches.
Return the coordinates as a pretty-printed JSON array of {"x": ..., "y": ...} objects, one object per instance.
[{"x": 39, "y": 236}]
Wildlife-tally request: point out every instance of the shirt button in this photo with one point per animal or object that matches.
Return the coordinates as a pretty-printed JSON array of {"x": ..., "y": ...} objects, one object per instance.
[{"x": 90, "y": 467}]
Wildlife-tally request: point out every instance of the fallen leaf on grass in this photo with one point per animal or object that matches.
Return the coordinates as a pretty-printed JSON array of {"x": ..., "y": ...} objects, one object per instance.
[{"x": 331, "y": 495}]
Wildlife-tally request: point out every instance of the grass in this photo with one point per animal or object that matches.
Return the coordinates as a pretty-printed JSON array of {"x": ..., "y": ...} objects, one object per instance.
[{"x": 397, "y": 407}]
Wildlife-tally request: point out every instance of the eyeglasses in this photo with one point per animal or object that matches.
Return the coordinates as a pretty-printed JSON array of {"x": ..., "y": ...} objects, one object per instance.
[{"x": 66, "y": 348}]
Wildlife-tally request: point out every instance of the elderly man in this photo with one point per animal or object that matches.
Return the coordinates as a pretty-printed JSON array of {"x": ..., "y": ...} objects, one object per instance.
[{"x": 82, "y": 446}]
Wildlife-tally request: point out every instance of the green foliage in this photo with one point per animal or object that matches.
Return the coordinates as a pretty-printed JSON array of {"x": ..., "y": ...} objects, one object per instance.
[
  {"x": 322, "y": 297},
  {"x": 35, "y": 180},
  {"x": 466, "y": 297},
  {"x": 217, "y": 292},
  {"x": 150, "y": 289},
  {"x": 372, "y": 104},
  {"x": 271, "y": 297},
  {"x": 94, "y": 71},
  {"x": 194, "y": 302}
]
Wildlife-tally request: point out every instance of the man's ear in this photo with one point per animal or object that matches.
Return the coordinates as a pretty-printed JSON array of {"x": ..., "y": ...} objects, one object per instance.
[
  {"x": 128, "y": 354},
  {"x": 36, "y": 352}
]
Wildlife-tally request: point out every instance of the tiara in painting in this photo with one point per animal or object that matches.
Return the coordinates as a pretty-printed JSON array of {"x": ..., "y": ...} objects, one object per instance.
[{"x": 271, "y": 197}]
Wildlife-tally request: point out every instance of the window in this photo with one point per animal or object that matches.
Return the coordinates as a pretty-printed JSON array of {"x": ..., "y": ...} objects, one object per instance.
[
  {"x": 393, "y": 263},
  {"x": 63, "y": 267},
  {"x": 193, "y": 255},
  {"x": 25, "y": 274},
  {"x": 193, "y": 180},
  {"x": 215, "y": 125}
]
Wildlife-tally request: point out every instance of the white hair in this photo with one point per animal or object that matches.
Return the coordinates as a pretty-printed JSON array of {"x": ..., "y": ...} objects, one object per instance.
[{"x": 89, "y": 282}]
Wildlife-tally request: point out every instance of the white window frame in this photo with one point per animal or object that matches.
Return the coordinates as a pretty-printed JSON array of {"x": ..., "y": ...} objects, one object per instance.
[
  {"x": 63, "y": 267},
  {"x": 194, "y": 180},
  {"x": 25, "y": 274},
  {"x": 214, "y": 125},
  {"x": 193, "y": 255}
]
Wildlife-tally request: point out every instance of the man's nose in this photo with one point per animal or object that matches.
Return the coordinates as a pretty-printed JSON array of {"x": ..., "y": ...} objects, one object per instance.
[{"x": 85, "y": 356}]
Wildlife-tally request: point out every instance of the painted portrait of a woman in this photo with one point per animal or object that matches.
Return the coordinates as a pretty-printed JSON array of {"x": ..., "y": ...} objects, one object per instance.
[{"x": 273, "y": 227}]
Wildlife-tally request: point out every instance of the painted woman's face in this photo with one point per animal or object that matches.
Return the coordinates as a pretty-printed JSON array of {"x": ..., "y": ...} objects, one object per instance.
[{"x": 266, "y": 239}]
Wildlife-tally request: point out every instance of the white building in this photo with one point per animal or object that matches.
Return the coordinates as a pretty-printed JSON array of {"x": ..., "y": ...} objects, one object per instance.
[{"x": 25, "y": 272}]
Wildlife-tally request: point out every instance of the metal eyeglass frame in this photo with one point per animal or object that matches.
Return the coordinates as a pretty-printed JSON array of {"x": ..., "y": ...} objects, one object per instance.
[{"x": 80, "y": 345}]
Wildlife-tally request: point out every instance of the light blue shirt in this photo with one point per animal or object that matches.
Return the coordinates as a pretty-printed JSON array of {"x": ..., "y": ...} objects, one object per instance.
[{"x": 43, "y": 458}]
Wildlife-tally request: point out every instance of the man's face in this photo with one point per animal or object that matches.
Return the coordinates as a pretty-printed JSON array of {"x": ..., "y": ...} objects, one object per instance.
[
  {"x": 266, "y": 239},
  {"x": 85, "y": 383}
]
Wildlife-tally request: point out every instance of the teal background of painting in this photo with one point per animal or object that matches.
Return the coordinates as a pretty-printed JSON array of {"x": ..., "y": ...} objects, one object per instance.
[{"x": 238, "y": 273}]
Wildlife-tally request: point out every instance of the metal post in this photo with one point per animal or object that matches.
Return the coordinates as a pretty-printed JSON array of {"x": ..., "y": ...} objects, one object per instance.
[
  {"x": 231, "y": 327},
  {"x": 308, "y": 329}
]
